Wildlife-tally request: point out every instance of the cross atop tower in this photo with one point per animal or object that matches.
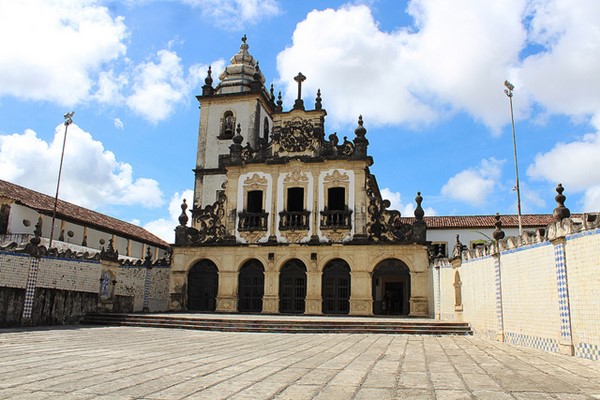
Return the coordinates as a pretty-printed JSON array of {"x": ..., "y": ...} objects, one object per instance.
[{"x": 299, "y": 103}]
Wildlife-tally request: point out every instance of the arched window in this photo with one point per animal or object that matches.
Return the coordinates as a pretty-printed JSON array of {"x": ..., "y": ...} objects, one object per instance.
[
  {"x": 227, "y": 125},
  {"x": 266, "y": 129}
]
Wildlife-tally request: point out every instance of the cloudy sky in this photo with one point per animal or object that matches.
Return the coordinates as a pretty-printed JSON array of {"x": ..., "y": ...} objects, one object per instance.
[{"x": 426, "y": 75}]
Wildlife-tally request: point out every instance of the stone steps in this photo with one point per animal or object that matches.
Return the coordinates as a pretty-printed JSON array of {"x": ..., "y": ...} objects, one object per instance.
[{"x": 282, "y": 324}]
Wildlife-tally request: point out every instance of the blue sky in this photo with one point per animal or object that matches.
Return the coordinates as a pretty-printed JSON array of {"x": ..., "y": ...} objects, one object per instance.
[{"x": 427, "y": 76}]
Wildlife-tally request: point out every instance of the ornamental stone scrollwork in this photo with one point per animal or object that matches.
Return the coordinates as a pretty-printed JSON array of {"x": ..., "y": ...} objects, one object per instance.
[
  {"x": 386, "y": 225},
  {"x": 210, "y": 222},
  {"x": 296, "y": 176},
  {"x": 296, "y": 136},
  {"x": 336, "y": 177},
  {"x": 256, "y": 182}
]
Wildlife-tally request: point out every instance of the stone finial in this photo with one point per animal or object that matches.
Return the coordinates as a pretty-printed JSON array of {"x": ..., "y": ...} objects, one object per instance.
[
  {"x": 148, "y": 258},
  {"x": 498, "y": 233},
  {"x": 360, "y": 142},
  {"x": 458, "y": 247},
  {"x": 272, "y": 94},
  {"x": 360, "y": 130},
  {"x": 207, "y": 89},
  {"x": 244, "y": 38},
  {"x": 209, "y": 80},
  {"x": 37, "y": 232},
  {"x": 419, "y": 212},
  {"x": 318, "y": 101},
  {"x": 183, "y": 218},
  {"x": 238, "y": 138},
  {"x": 560, "y": 212},
  {"x": 279, "y": 102}
]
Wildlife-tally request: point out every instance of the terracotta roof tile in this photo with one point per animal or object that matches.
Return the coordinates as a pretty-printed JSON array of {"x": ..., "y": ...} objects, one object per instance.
[
  {"x": 483, "y": 221},
  {"x": 71, "y": 212}
]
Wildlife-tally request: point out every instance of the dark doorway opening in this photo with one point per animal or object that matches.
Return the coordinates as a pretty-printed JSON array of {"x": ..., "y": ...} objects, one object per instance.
[
  {"x": 336, "y": 199},
  {"x": 391, "y": 288},
  {"x": 295, "y": 199},
  {"x": 203, "y": 283},
  {"x": 255, "y": 201}
]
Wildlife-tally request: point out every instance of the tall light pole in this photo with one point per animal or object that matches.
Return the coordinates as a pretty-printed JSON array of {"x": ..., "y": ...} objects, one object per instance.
[
  {"x": 509, "y": 93},
  {"x": 68, "y": 121}
]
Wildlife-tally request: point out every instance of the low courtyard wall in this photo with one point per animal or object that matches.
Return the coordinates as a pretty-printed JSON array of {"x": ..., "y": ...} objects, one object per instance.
[
  {"x": 539, "y": 290},
  {"x": 53, "y": 290}
]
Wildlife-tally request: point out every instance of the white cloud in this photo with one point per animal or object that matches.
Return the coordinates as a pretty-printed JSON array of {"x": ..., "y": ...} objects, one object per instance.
[
  {"x": 454, "y": 57},
  {"x": 91, "y": 176},
  {"x": 158, "y": 87},
  {"x": 164, "y": 228},
  {"x": 563, "y": 77},
  {"x": 406, "y": 210},
  {"x": 576, "y": 165},
  {"x": 118, "y": 124},
  {"x": 234, "y": 14},
  {"x": 52, "y": 49},
  {"x": 474, "y": 185}
]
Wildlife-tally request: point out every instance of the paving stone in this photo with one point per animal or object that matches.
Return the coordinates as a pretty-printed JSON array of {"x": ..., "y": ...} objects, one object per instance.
[{"x": 145, "y": 363}]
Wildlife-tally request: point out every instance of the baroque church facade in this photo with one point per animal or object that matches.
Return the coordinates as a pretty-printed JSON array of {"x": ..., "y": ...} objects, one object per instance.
[{"x": 287, "y": 218}]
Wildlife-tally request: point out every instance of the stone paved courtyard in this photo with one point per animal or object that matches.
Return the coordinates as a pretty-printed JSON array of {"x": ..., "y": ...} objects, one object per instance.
[{"x": 147, "y": 363}]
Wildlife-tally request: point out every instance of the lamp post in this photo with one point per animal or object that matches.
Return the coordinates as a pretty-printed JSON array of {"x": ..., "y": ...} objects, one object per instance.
[
  {"x": 509, "y": 93},
  {"x": 68, "y": 121}
]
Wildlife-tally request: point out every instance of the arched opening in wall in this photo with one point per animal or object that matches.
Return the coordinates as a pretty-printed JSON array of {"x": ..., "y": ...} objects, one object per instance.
[
  {"x": 292, "y": 287},
  {"x": 251, "y": 287},
  {"x": 391, "y": 288},
  {"x": 227, "y": 125},
  {"x": 266, "y": 129},
  {"x": 203, "y": 282},
  {"x": 336, "y": 287}
]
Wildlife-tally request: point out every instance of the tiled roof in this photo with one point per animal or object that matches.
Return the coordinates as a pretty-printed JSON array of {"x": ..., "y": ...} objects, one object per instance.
[
  {"x": 484, "y": 221},
  {"x": 73, "y": 213}
]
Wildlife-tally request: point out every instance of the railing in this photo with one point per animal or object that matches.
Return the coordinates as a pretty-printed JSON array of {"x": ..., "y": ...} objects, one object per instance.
[
  {"x": 253, "y": 221},
  {"x": 294, "y": 220},
  {"x": 336, "y": 219}
]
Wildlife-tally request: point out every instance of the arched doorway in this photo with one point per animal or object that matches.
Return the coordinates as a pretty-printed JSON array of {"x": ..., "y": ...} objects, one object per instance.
[
  {"x": 336, "y": 287},
  {"x": 203, "y": 282},
  {"x": 251, "y": 287},
  {"x": 292, "y": 287},
  {"x": 391, "y": 288}
]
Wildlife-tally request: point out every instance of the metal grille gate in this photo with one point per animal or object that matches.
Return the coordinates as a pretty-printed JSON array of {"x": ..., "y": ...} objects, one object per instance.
[
  {"x": 251, "y": 283},
  {"x": 336, "y": 288},
  {"x": 292, "y": 287}
]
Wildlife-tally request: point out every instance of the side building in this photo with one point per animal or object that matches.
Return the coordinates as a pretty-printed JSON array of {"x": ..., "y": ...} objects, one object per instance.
[
  {"x": 76, "y": 228},
  {"x": 284, "y": 220}
]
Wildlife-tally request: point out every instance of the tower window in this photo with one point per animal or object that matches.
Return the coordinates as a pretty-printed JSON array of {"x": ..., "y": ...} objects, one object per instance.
[
  {"x": 266, "y": 129},
  {"x": 227, "y": 125}
]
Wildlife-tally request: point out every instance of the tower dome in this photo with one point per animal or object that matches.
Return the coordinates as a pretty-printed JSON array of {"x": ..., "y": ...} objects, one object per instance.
[{"x": 241, "y": 72}]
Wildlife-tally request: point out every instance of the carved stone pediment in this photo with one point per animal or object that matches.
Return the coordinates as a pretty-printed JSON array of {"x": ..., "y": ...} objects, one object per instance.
[
  {"x": 296, "y": 176},
  {"x": 336, "y": 177},
  {"x": 256, "y": 182}
]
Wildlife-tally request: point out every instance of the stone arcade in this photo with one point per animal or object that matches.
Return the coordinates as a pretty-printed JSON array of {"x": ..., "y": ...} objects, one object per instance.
[{"x": 286, "y": 221}]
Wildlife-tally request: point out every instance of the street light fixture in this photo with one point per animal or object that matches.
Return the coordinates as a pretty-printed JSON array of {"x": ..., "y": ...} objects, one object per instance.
[
  {"x": 509, "y": 93},
  {"x": 68, "y": 121}
]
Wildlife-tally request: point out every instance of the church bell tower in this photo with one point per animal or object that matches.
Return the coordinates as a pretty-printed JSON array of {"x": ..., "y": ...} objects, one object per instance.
[{"x": 238, "y": 107}]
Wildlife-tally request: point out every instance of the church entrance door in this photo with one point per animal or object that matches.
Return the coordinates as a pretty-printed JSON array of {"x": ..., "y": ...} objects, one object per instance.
[
  {"x": 336, "y": 287},
  {"x": 292, "y": 287},
  {"x": 203, "y": 282},
  {"x": 251, "y": 284},
  {"x": 391, "y": 288}
]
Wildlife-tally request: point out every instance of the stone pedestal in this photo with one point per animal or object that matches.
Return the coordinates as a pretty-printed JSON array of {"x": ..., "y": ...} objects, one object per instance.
[{"x": 361, "y": 306}]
